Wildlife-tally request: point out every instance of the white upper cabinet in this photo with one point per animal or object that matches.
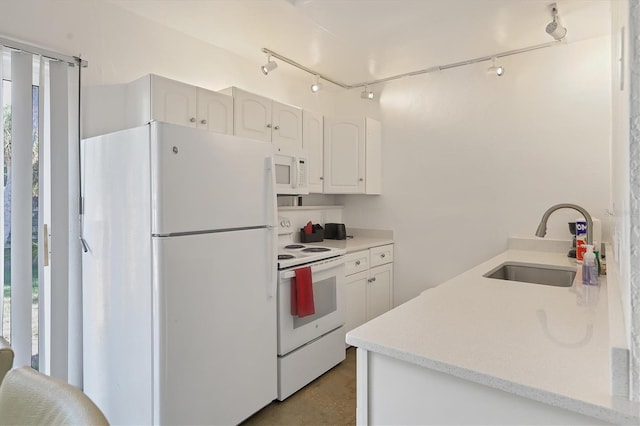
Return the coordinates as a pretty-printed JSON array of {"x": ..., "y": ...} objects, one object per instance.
[
  {"x": 352, "y": 156},
  {"x": 373, "y": 157},
  {"x": 172, "y": 101},
  {"x": 287, "y": 126},
  {"x": 214, "y": 111},
  {"x": 264, "y": 119},
  {"x": 251, "y": 115},
  {"x": 313, "y": 144},
  {"x": 155, "y": 98},
  {"x": 344, "y": 155}
]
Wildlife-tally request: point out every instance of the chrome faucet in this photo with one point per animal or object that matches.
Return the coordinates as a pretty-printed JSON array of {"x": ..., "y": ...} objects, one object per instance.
[{"x": 542, "y": 228}]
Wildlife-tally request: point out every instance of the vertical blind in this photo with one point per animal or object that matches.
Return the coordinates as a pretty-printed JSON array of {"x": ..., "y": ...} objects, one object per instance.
[{"x": 39, "y": 94}]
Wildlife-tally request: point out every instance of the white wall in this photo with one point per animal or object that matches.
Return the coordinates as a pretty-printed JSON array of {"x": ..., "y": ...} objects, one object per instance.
[
  {"x": 625, "y": 189},
  {"x": 470, "y": 159},
  {"x": 121, "y": 47}
]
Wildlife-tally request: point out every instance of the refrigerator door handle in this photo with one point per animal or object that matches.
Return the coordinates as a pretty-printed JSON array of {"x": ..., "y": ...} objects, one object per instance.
[
  {"x": 272, "y": 266},
  {"x": 272, "y": 194}
]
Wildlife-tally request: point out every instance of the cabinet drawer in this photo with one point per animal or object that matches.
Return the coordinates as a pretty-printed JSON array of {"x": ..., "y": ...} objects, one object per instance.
[
  {"x": 356, "y": 262},
  {"x": 381, "y": 255}
]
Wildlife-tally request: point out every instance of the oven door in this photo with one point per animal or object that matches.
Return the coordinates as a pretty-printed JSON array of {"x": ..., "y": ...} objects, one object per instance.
[{"x": 328, "y": 296}]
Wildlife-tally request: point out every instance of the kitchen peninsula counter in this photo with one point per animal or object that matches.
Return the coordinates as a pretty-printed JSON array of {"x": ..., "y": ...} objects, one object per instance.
[{"x": 483, "y": 350}]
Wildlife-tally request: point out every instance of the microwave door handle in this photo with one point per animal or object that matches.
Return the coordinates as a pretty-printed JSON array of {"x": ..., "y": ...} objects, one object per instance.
[{"x": 296, "y": 174}]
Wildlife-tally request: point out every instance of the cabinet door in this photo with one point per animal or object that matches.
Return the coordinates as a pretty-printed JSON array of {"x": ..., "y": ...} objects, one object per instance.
[
  {"x": 344, "y": 156},
  {"x": 287, "y": 126},
  {"x": 173, "y": 101},
  {"x": 379, "y": 290},
  {"x": 215, "y": 111},
  {"x": 312, "y": 143},
  {"x": 373, "y": 163},
  {"x": 356, "y": 300},
  {"x": 251, "y": 116}
]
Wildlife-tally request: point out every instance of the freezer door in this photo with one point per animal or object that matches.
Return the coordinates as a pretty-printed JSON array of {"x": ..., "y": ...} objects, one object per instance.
[
  {"x": 216, "y": 334},
  {"x": 208, "y": 181}
]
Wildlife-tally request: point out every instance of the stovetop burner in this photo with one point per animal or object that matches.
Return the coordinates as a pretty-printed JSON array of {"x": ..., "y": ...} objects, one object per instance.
[
  {"x": 294, "y": 246},
  {"x": 285, "y": 256},
  {"x": 316, "y": 249}
]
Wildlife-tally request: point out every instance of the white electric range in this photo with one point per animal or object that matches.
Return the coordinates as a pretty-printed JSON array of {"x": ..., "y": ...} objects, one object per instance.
[
  {"x": 311, "y": 345},
  {"x": 292, "y": 253}
]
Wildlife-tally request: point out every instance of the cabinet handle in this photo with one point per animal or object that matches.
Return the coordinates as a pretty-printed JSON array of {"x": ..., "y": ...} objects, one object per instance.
[
  {"x": 203, "y": 121},
  {"x": 192, "y": 119},
  {"x": 373, "y": 279},
  {"x": 268, "y": 126},
  {"x": 321, "y": 178},
  {"x": 357, "y": 263},
  {"x": 382, "y": 255},
  {"x": 361, "y": 179},
  {"x": 276, "y": 127}
]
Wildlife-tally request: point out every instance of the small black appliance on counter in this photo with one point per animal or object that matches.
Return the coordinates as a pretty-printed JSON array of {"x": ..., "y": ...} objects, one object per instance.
[{"x": 335, "y": 231}]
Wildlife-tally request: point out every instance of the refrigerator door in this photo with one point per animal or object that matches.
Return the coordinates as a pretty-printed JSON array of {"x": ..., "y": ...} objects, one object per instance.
[
  {"x": 215, "y": 315},
  {"x": 117, "y": 276},
  {"x": 203, "y": 181}
]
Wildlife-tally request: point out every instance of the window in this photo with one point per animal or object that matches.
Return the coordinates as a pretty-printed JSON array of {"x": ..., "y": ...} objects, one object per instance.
[
  {"x": 40, "y": 300},
  {"x": 36, "y": 280}
]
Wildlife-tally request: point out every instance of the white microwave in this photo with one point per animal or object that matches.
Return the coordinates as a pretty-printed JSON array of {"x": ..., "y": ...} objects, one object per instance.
[{"x": 291, "y": 171}]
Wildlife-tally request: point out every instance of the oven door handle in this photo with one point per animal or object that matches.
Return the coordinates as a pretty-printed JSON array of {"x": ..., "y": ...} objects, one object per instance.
[{"x": 320, "y": 266}]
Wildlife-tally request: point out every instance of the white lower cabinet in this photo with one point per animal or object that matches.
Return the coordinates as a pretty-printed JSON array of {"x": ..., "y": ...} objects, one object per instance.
[{"x": 369, "y": 284}]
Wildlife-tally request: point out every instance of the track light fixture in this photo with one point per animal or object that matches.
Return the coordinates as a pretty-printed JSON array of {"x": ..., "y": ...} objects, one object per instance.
[
  {"x": 269, "y": 66},
  {"x": 367, "y": 94},
  {"x": 554, "y": 29},
  {"x": 497, "y": 70},
  {"x": 315, "y": 87}
]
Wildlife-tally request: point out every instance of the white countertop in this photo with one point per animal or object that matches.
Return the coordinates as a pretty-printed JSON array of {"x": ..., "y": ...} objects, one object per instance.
[
  {"x": 361, "y": 239},
  {"x": 356, "y": 243},
  {"x": 550, "y": 344}
]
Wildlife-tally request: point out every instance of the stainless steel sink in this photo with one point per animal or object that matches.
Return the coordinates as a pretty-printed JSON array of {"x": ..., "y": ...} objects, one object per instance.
[{"x": 558, "y": 276}]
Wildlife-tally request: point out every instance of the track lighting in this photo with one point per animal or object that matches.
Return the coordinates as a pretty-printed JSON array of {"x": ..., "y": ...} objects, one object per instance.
[
  {"x": 497, "y": 70},
  {"x": 269, "y": 66},
  {"x": 367, "y": 94},
  {"x": 315, "y": 87},
  {"x": 554, "y": 29}
]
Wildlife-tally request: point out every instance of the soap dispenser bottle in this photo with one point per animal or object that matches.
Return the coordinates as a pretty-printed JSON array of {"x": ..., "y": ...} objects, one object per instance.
[{"x": 589, "y": 267}]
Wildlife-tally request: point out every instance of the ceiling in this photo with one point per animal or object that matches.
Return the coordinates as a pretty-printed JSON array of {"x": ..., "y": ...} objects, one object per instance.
[{"x": 354, "y": 41}]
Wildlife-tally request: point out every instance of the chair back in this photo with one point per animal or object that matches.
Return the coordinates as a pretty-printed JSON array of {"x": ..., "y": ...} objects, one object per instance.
[
  {"x": 6, "y": 357},
  {"x": 28, "y": 397}
]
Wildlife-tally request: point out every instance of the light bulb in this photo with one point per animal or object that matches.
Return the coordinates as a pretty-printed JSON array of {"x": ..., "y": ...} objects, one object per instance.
[
  {"x": 367, "y": 94},
  {"x": 268, "y": 67},
  {"x": 315, "y": 87}
]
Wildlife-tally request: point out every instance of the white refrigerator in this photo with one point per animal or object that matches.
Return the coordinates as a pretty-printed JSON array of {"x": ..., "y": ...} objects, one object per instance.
[{"x": 179, "y": 275}]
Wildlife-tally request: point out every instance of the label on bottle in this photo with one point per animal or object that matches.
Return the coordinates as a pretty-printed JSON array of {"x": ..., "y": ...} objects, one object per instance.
[{"x": 581, "y": 239}]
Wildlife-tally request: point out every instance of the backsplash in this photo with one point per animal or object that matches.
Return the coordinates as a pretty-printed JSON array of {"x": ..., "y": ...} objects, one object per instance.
[{"x": 299, "y": 216}]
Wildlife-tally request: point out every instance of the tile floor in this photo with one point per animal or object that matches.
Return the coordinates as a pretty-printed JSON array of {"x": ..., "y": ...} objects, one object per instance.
[{"x": 328, "y": 400}]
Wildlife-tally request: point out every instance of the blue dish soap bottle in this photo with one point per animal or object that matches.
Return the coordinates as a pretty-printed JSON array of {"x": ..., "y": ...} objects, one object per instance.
[{"x": 589, "y": 267}]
